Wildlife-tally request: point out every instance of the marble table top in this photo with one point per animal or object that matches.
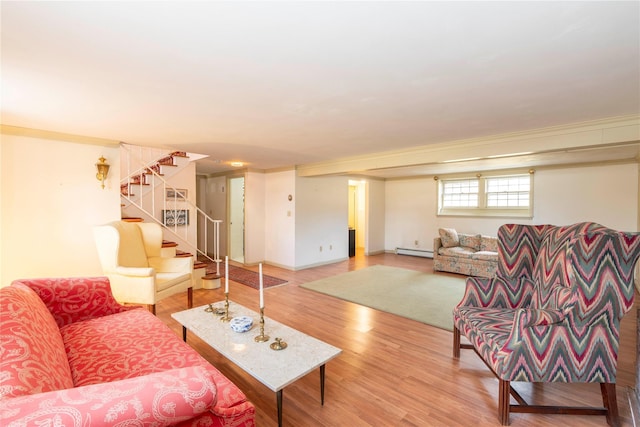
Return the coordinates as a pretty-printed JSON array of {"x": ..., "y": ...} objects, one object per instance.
[{"x": 274, "y": 368}]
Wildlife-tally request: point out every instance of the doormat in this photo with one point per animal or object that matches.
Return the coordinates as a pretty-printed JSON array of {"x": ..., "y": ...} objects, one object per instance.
[{"x": 244, "y": 276}]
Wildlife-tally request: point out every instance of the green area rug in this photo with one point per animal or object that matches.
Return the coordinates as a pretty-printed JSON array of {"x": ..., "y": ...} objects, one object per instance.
[{"x": 427, "y": 298}]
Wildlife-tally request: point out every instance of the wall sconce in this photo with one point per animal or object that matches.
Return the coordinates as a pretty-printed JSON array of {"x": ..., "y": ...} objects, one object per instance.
[{"x": 103, "y": 170}]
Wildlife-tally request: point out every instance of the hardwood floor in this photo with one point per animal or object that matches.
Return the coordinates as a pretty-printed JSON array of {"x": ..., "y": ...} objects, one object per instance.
[{"x": 393, "y": 371}]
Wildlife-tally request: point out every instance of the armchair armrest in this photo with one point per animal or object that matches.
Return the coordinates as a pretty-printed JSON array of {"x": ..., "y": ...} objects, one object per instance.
[
  {"x": 162, "y": 399},
  {"x": 172, "y": 265},
  {"x": 497, "y": 292},
  {"x": 135, "y": 271},
  {"x": 74, "y": 299},
  {"x": 528, "y": 318}
]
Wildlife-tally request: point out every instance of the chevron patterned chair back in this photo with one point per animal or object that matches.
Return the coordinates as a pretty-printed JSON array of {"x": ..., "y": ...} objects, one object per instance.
[{"x": 553, "y": 311}]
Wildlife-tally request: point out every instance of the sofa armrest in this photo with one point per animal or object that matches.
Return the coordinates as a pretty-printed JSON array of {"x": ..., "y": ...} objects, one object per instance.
[
  {"x": 437, "y": 244},
  {"x": 162, "y": 399},
  {"x": 496, "y": 292},
  {"x": 73, "y": 299}
]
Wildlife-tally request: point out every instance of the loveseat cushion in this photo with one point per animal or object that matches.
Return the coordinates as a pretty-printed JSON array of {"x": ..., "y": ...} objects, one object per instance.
[
  {"x": 485, "y": 256},
  {"x": 32, "y": 354},
  {"x": 487, "y": 329},
  {"x": 488, "y": 243},
  {"x": 471, "y": 241},
  {"x": 457, "y": 252}
]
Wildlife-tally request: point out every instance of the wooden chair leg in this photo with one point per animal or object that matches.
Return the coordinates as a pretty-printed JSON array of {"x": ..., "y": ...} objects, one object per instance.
[
  {"x": 456, "y": 343},
  {"x": 504, "y": 396},
  {"x": 190, "y": 297},
  {"x": 610, "y": 402},
  {"x": 152, "y": 309}
]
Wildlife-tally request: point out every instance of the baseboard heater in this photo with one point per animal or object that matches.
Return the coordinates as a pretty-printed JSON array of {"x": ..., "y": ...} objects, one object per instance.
[{"x": 414, "y": 252}]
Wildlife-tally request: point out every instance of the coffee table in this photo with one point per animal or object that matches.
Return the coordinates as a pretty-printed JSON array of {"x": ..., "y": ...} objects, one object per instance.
[{"x": 276, "y": 369}]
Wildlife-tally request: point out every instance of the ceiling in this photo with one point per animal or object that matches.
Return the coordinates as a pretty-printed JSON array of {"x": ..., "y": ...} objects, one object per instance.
[{"x": 278, "y": 84}]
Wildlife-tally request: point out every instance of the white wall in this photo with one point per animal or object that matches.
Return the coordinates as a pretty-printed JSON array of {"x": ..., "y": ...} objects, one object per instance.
[
  {"x": 51, "y": 199},
  {"x": 280, "y": 219},
  {"x": 254, "y": 223},
  {"x": 605, "y": 194},
  {"x": 375, "y": 216},
  {"x": 321, "y": 220}
]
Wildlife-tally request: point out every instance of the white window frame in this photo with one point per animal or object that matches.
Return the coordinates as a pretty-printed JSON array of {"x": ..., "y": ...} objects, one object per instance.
[{"x": 482, "y": 209}]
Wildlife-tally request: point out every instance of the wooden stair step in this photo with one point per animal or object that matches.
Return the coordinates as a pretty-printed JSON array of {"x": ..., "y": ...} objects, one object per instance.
[
  {"x": 199, "y": 265},
  {"x": 211, "y": 276},
  {"x": 182, "y": 254},
  {"x": 168, "y": 244},
  {"x": 132, "y": 219}
]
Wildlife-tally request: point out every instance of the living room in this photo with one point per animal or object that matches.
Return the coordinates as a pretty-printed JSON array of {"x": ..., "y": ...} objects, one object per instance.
[{"x": 51, "y": 199}]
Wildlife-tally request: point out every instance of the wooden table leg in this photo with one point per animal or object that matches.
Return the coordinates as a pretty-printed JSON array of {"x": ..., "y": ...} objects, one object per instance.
[
  {"x": 322, "y": 385},
  {"x": 279, "y": 399},
  {"x": 184, "y": 334}
]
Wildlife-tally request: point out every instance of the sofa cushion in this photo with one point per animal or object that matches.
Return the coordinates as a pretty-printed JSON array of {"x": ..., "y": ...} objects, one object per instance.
[
  {"x": 136, "y": 343},
  {"x": 124, "y": 345},
  {"x": 457, "y": 252},
  {"x": 471, "y": 241},
  {"x": 449, "y": 237},
  {"x": 32, "y": 355}
]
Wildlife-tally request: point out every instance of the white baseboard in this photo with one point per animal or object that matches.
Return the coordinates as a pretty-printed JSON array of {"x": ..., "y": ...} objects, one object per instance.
[{"x": 415, "y": 252}]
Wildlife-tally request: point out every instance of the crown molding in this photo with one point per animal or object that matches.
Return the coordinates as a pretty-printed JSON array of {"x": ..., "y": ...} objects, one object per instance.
[
  {"x": 596, "y": 133},
  {"x": 58, "y": 136}
]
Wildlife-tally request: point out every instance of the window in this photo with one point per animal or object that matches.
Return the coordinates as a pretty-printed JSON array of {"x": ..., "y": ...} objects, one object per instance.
[
  {"x": 508, "y": 191},
  {"x": 508, "y": 195},
  {"x": 460, "y": 193}
]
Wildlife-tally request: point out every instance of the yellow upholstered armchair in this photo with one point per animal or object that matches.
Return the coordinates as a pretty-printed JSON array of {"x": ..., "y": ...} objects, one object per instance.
[{"x": 131, "y": 257}]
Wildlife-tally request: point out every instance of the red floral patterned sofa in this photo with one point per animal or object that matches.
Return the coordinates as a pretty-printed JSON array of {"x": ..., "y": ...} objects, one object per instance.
[{"x": 71, "y": 355}]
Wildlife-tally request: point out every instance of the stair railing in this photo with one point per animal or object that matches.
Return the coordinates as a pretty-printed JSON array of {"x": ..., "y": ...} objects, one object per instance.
[{"x": 172, "y": 211}]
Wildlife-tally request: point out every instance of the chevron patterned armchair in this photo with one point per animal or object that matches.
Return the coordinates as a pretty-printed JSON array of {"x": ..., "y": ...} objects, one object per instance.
[{"x": 553, "y": 311}]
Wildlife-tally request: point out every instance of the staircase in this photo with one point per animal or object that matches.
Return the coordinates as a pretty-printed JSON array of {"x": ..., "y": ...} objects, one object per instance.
[{"x": 147, "y": 195}]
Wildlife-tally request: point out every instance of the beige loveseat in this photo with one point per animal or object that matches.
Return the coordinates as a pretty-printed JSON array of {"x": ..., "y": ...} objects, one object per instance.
[{"x": 468, "y": 254}]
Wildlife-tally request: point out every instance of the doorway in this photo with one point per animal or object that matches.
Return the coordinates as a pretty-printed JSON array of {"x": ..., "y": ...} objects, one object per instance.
[
  {"x": 236, "y": 219},
  {"x": 357, "y": 211}
]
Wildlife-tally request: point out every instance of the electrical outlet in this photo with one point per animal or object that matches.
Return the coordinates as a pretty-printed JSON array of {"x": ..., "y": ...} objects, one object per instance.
[
  {"x": 320, "y": 248},
  {"x": 416, "y": 242}
]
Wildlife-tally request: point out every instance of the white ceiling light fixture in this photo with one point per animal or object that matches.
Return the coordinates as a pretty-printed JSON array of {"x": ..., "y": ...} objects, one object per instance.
[{"x": 237, "y": 164}]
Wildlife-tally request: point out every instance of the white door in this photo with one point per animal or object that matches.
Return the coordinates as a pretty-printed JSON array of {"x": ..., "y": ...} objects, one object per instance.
[{"x": 236, "y": 219}]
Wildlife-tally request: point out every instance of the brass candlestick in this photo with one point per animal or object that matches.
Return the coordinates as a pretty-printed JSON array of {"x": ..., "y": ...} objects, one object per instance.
[
  {"x": 214, "y": 310},
  {"x": 225, "y": 317},
  {"x": 262, "y": 337}
]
